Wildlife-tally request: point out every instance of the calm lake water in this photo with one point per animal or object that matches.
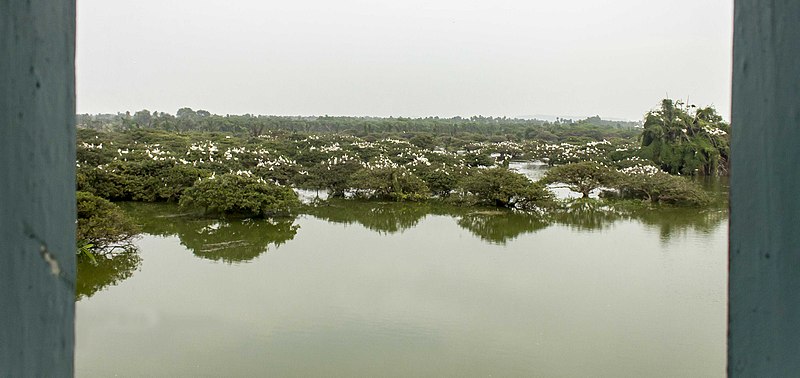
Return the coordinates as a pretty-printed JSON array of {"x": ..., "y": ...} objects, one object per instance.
[{"x": 385, "y": 289}]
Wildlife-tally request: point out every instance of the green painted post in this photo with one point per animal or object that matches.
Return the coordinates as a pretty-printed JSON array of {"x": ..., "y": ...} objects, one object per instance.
[
  {"x": 37, "y": 188},
  {"x": 764, "y": 292}
]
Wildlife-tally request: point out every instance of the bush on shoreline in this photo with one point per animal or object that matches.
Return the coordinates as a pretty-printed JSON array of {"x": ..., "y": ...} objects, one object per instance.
[{"x": 101, "y": 225}]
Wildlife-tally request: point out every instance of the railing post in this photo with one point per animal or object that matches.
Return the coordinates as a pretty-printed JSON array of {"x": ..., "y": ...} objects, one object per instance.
[
  {"x": 37, "y": 188},
  {"x": 764, "y": 290}
]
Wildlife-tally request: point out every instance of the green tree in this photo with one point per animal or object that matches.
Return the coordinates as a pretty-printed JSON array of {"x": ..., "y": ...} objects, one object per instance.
[
  {"x": 144, "y": 180},
  {"x": 423, "y": 141},
  {"x": 240, "y": 195},
  {"x": 503, "y": 188},
  {"x": 101, "y": 224},
  {"x": 663, "y": 188},
  {"x": 686, "y": 140},
  {"x": 173, "y": 181},
  {"x": 335, "y": 177},
  {"x": 396, "y": 184},
  {"x": 440, "y": 178},
  {"x": 581, "y": 177},
  {"x": 143, "y": 118},
  {"x": 185, "y": 113}
]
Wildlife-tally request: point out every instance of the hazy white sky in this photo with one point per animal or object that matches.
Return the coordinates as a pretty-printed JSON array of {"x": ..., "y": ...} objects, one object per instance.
[{"x": 615, "y": 58}]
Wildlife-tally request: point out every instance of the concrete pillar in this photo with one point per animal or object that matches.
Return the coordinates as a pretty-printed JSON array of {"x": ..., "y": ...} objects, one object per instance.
[
  {"x": 37, "y": 187},
  {"x": 764, "y": 312}
]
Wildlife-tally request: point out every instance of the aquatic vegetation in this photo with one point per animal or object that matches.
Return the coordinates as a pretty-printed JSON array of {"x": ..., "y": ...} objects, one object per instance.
[
  {"x": 582, "y": 177},
  {"x": 240, "y": 194},
  {"x": 105, "y": 270},
  {"x": 503, "y": 188},
  {"x": 664, "y": 188},
  {"x": 101, "y": 226}
]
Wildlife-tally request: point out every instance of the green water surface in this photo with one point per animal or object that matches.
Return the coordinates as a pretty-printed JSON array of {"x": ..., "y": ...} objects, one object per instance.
[{"x": 387, "y": 289}]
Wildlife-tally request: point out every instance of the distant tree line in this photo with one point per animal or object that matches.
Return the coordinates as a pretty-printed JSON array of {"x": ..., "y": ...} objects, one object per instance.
[{"x": 477, "y": 128}]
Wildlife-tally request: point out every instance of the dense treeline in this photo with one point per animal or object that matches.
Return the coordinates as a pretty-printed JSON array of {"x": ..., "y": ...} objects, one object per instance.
[{"x": 476, "y": 128}]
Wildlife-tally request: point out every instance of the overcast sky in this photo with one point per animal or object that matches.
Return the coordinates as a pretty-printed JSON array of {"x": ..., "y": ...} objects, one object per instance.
[{"x": 614, "y": 58}]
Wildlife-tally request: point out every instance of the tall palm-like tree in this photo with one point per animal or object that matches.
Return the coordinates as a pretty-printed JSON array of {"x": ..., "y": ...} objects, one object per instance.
[{"x": 677, "y": 137}]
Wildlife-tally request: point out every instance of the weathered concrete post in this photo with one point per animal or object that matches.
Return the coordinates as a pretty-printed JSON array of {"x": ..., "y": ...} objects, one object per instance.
[
  {"x": 764, "y": 313},
  {"x": 37, "y": 187}
]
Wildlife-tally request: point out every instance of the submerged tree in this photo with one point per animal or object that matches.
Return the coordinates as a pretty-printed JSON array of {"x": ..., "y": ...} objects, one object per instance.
[
  {"x": 397, "y": 184},
  {"x": 581, "y": 177},
  {"x": 441, "y": 179},
  {"x": 334, "y": 175},
  {"x": 503, "y": 188},
  {"x": 241, "y": 195},
  {"x": 662, "y": 187}
]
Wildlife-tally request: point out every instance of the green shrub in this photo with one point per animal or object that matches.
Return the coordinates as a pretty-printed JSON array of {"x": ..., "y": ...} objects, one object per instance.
[
  {"x": 147, "y": 181},
  {"x": 440, "y": 179},
  {"x": 663, "y": 188},
  {"x": 396, "y": 184},
  {"x": 503, "y": 188},
  {"x": 581, "y": 177},
  {"x": 101, "y": 224},
  {"x": 240, "y": 195},
  {"x": 334, "y": 177}
]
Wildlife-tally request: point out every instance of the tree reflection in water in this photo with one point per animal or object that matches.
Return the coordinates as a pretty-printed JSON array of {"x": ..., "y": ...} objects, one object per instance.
[
  {"x": 230, "y": 241},
  {"x": 501, "y": 226},
  {"x": 675, "y": 221},
  {"x": 586, "y": 214},
  {"x": 590, "y": 215},
  {"x": 382, "y": 217},
  {"x": 108, "y": 270},
  {"x": 238, "y": 240},
  {"x": 234, "y": 241}
]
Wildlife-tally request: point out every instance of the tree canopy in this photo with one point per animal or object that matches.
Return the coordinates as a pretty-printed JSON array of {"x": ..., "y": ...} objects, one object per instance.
[
  {"x": 101, "y": 224},
  {"x": 503, "y": 188},
  {"x": 686, "y": 139},
  {"x": 582, "y": 177},
  {"x": 240, "y": 195}
]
